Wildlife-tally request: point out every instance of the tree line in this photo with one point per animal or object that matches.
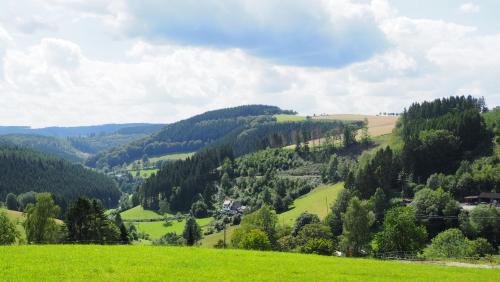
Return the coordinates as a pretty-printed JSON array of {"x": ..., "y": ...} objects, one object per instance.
[{"x": 24, "y": 170}]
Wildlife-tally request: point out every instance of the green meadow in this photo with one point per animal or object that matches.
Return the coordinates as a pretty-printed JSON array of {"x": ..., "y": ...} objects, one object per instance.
[
  {"x": 156, "y": 229},
  {"x": 138, "y": 213},
  {"x": 289, "y": 118},
  {"x": 318, "y": 201},
  {"x": 149, "y": 263}
]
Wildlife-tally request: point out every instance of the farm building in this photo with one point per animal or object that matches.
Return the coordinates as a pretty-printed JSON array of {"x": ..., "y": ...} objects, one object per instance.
[
  {"x": 233, "y": 206},
  {"x": 484, "y": 197}
]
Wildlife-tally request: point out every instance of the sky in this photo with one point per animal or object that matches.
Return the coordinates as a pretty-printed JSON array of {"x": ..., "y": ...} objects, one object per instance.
[{"x": 84, "y": 62}]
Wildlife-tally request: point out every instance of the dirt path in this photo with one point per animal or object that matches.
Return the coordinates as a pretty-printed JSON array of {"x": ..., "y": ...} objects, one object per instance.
[{"x": 454, "y": 263}]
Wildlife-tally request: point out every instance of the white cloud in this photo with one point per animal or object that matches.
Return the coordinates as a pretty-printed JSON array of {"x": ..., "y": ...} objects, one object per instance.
[
  {"x": 469, "y": 8},
  {"x": 52, "y": 80}
]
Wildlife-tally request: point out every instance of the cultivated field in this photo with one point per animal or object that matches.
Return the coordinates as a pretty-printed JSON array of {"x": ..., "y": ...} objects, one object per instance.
[
  {"x": 148, "y": 263},
  {"x": 377, "y": 125}
]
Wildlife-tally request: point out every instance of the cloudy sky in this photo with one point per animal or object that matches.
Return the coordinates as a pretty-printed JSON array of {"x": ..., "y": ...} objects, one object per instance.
[{"x": 80, "y": 62}]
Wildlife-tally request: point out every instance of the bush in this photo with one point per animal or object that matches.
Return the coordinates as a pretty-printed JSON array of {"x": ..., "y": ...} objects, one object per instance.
[
  {"x": 304, "y": 219},
  {"x": 318, "y": 246},
  {"x": 170, "y": 239},
  {"x": 287, "y": 243},
  {"x": 481, "y": 247},
  {"x": 220, "y": 244},
  {"x": 11, "y": 202},
  {"x": 453, "y": 244},
  {"x": 314, "y": 231},
  {"x": 256, "y": 239},
  {"x": 199, "y": 209},
  {"x": 8, "y": 232}
]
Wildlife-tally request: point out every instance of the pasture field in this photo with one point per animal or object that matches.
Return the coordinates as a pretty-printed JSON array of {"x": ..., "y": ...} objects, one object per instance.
[
  {"x": 157, "y": 229},
  {"x": 318, "y": 201},
  {"x": 149, "y": 263},
  {"x": 143, "y": 173},
  {"x": 171, "y": 157},
  {"x": 138, "y": 213},
  {"x": 209, "y": 241},
  {"x": 377, "y": 125},
  {"x": 289, "y": 118}
]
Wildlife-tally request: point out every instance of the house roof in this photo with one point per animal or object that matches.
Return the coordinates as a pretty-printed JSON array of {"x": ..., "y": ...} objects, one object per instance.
[{"x": 489, "y": 195}]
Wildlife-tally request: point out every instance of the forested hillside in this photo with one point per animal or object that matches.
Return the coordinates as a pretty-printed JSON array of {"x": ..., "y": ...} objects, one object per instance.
[
  {"x": 186, "y": 135},
  {"x": 75, "y": 144},
  {"x": 180, "y": 185},
  {"x": 24, "y": 170},
  {"x": 59, "y": 147},
  {"x": 81, "y": 130}
]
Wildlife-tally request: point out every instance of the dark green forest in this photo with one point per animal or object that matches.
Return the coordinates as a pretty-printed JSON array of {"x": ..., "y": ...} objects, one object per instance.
[
  {"x": 187, "y": 135},
  {"x": 179, "y": 185},
  {"x": 23, "y": 170}
]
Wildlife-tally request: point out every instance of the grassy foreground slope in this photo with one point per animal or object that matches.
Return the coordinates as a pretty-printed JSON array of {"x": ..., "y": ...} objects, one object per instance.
[{"x": 146, "y": 263}]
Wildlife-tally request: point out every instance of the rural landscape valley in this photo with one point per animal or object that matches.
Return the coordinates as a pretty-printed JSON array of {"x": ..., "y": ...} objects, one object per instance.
[{"x": 249, "y": 141}]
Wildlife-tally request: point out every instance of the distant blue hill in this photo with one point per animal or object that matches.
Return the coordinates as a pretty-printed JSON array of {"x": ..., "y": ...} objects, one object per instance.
[{"x": 127, "y": 128}]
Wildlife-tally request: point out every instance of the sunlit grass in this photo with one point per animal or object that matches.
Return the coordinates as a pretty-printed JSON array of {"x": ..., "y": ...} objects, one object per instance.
[{"x": 148, "y": 263}]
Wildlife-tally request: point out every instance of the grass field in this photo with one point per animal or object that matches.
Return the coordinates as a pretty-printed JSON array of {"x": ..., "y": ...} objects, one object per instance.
[
  {"x": 317, "y": 201},
  {"x": 377, "y": 125},
  {"x": 171, "y": 157},
  {"x": 138, "y": 213},
  {"x": 289, "y": 118},
  {"x": 209, "y": 241},
  {"x": 148, "y": 263},
  {"x": 157, "y": 229}
]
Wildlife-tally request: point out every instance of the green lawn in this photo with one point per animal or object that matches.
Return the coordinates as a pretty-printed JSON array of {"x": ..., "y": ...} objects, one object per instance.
[
  {"x": 289, "y": 118},
  {"x": 138, "y": 213},
  {"x": 159, "y": 228},
  {"x": 149, "y": 263},
  {"x": 318, "y": 201}
]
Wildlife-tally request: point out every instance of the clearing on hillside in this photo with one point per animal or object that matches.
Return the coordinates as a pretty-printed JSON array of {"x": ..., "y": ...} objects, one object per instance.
[
  {"x": 318, "y": 201},
  {"x": 148, "y": 263},
  {"x": 289, "y": 118},
  {"x": 377, "y": 125},
  {"x": 139, "y": 213}
]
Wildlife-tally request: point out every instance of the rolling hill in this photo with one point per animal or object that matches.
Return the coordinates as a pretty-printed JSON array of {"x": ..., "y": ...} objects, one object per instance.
[
  {"x": 24, "y": 170},
  {"x": 186, "y": 135},
  {"x": 75, "y": 144}
]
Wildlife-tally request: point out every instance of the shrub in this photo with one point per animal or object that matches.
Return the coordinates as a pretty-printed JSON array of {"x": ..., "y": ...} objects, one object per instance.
[
  {"x": 256, "y": 239},
  {"x": 8, "y": 232},
  {"x": 453, "y": 244},
  {"x": 287, "y": 243},
  {"x": 318, "y": 246},
  {"x": 314, "y": 231},
  {"x": 304, "y": 219}
]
